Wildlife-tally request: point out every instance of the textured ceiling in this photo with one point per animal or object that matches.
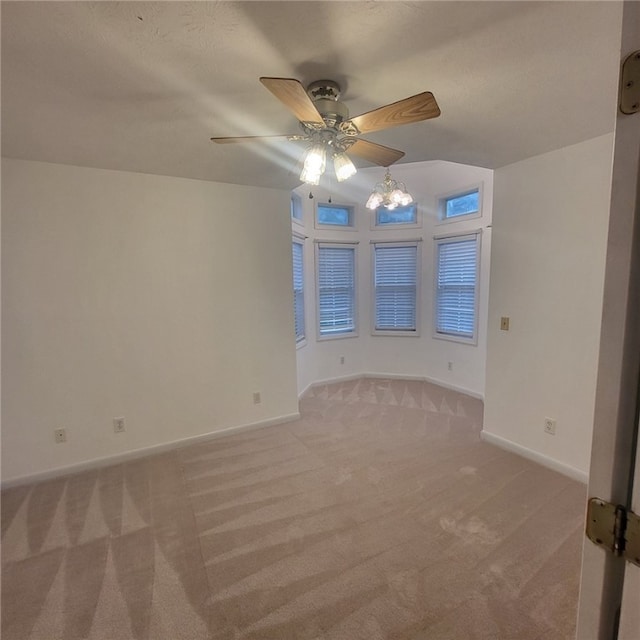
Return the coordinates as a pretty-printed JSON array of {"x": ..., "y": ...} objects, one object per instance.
[{"x": 142, "y": 86}]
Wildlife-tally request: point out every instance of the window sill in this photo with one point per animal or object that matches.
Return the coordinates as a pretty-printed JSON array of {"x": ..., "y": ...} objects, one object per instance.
[
  {"x": 395, "y": 226},
  {"x": 334, "y": 227},
  {"x": 337, "y": 336},
  {"x": 473, "y": 342},
  {"x": 395, "y": 333},
  {"x": 461, "y": 218}
]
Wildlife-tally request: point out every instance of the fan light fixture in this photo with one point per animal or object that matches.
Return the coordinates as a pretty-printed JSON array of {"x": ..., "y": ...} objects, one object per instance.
[
  {"x": 315, "y": 162},
  {"x": 343, "y": 166},
  {"x": 389, "y": 194}
]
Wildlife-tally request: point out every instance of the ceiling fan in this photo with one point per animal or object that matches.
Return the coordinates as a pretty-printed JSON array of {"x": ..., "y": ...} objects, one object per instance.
[{"x": 329, "y": 130}]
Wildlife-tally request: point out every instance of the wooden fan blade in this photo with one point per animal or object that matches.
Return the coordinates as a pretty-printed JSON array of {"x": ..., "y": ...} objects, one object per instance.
[
  {"x": 414, "y": 109},
  {"x": 376, "y": 153},
  {"x": 227, "y": 140},
  {"x": 295, "y": 97}
]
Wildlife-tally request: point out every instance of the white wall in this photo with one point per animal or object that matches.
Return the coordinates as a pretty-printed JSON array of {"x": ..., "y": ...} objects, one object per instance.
[
  {"x": 166, "y": 301},
  {"x": 550, "y": 220},
  {"x": 421, "y": 356}
]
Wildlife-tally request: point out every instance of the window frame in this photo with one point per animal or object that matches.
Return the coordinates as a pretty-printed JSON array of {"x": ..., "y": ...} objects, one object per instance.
[
  {"x": 375, "y": 225},
  {"x": 417, "y": 243},
  {"x": 447, "y": 239},
  {"x": 336, "y": 244},
  {"x": 443, "y": 198},
  {"x": 351, "y": 208},
  {"x": 300, "y": 342}
]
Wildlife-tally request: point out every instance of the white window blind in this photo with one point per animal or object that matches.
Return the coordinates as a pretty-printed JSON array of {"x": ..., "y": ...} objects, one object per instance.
[
  {"x": 336, "y": 289},
  {"x": 298, "y": 291},
  {"x": 395, "y": 284},
  {"x": 456, "y": 286}
]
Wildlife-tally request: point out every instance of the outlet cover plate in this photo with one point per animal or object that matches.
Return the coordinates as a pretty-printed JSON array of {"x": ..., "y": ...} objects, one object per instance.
[{"x": 550, "y": 426}]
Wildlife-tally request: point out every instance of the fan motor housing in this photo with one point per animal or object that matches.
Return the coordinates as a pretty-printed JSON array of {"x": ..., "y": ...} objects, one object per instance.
[
  {"x": 333, "y": 112},
  {"x": 324, "y": 89}
]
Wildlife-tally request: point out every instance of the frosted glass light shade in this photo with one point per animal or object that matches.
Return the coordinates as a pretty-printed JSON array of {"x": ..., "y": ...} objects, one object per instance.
[{"x": 343, "y": 166}]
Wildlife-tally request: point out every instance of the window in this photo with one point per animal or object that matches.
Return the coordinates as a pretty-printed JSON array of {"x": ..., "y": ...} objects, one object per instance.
[
  {"x": 406, "y": 216},
  {"x": 456, "y": 287},
  {"x": 336, "y": 290},
  {"x": 298, "y": 290},
  {"x": 339, "y": 216},
  {"x": 395, "y": 283},
  {"x": 296, "y": 207},
  {"x": 460, "y": 205}
]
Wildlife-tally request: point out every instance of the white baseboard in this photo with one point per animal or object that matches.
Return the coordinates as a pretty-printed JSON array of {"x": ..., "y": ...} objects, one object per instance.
[
  {"x": 133, "y": 454},
  {"x": 318, "y": 383},
  {"x": 394, "y": 376},
  {"x": 535, "y": 456},
  {"x": 440, "y": 383}
]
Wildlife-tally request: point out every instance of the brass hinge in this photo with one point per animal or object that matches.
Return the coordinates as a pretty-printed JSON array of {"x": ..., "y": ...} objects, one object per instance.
[
  {"x": 630, "y": 84},
  {"x": 614, "y": 528}
]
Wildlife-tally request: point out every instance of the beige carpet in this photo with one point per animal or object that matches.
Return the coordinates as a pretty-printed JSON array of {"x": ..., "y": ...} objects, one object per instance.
[{"x": 379, "y": 514}]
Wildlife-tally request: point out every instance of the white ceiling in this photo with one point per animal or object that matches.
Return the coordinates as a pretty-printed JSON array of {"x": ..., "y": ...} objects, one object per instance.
[{"x": 142, "y": 86}]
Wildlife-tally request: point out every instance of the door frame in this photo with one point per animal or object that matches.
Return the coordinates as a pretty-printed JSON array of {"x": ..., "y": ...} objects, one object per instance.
[{"x": 616, "y": 405}]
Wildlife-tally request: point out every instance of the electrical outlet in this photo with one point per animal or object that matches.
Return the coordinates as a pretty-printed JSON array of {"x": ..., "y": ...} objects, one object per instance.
[
  {"x": 504, "y": 323},
  {"x": 341, "y": 359},
  {"x": 256, "y": 397},
  {"x": 450, "y": 366},
  {"x": 60, "y": 435},
  {"x": 118, "y": 425},
  {"x": 550, "y": 426}
]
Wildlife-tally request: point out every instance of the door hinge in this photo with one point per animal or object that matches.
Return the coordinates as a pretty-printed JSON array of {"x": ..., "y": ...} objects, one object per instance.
[
  {"x": 630, "y": 84},
  {"x": 615, "y": 528}
]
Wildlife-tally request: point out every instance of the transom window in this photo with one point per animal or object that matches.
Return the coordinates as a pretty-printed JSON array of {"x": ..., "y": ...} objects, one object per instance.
[
  {"x": 460, "y": 205},
  {"x": 296, "y": 207},
  {"x": 407, "y": 215},
  {"x": 334, "y": 215}
]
